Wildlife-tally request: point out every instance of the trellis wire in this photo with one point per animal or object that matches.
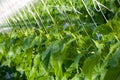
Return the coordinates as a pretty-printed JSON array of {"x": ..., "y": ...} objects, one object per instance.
[{"x": 77, "y": 12}]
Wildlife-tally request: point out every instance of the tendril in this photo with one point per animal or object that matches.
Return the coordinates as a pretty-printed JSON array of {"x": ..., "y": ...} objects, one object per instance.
[{"x": 95, "y": 3}]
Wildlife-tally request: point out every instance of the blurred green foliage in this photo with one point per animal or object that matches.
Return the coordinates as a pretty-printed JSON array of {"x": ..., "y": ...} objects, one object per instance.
[{"x": 63, "y": 40}]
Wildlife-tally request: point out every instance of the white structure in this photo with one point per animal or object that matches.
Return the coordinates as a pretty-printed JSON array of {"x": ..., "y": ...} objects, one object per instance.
[{"x": 9, "y": 7}]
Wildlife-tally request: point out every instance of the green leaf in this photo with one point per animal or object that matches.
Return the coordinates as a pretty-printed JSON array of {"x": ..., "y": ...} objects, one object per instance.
[
  {"x": 114, "y": 61},
  {"x": 51, "y": 49},
  {"x": 75, "y": 64},
  {"x": 113, "y": 73},
  {"x": 89, "y": 65},
  {"x": 99, "y": 46},
  {"x": 27, "y": 41}
]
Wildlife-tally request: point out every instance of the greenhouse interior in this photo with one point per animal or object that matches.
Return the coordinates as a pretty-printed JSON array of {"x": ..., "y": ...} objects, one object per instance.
[{"x": 59, "y": 39}]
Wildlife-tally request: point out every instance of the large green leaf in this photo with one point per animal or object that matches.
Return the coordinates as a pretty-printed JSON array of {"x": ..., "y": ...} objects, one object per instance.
[{"x": 90, "y": 64}]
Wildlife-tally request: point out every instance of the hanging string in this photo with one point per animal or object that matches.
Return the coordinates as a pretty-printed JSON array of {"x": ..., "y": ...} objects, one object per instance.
[
  {"x": 96, "y": 3},
  {"x": 89, "y": 13}
]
